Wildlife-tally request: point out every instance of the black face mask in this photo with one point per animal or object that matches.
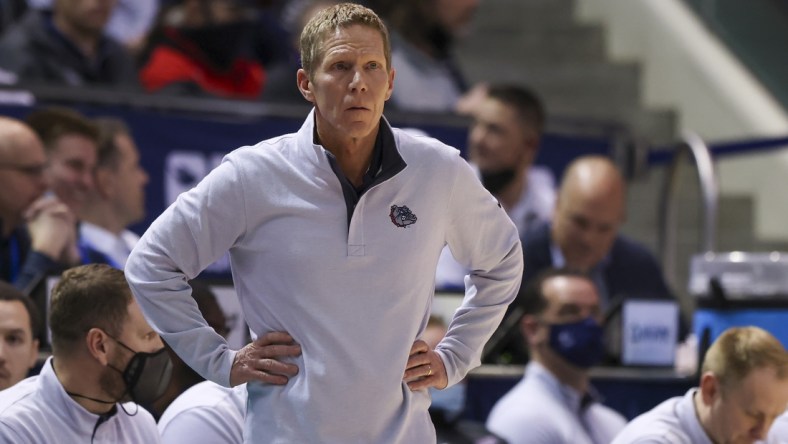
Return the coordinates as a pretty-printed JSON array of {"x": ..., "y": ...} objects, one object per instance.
[
  {"x": 146, "y": 375},
  {"x": 495, "y": 181},
  {"x": 221, "y": 44}
]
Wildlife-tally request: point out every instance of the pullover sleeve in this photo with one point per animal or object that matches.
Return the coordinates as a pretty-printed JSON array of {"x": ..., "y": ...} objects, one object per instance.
[
  {"x": 192, "y": 233},
  {"x": 482, "y": 237}
]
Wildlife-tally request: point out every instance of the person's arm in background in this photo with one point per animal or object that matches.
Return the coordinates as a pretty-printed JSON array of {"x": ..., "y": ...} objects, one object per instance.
[{"x": 53, "y": 241}]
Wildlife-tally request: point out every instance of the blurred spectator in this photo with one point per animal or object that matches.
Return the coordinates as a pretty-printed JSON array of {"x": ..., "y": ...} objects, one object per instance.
[
  {"x": 183, "y": 376},
  {"x": 71, "y": 144},
  {"x": 204, "y": 47},
  {"x": 743, "y": 388},
  {"x": 104, "y": 354},
  {"x": 10, "y": 12},
  {"x": 423, "y": 33},
  {"x": 206, "y": 412},
  {"x": 67, "y": 46},
  {"x": 281, "y": 86},
  {"x": 118, "y": 198},
  {"x": 129, "y": 23},
  {"x": 554, "y": 402},
  {"x": 19, "y": 322},
  {"x": 37, "y": 233},
  {"x": 584, "y": 235},
  {"x": 503, "y": 143}
]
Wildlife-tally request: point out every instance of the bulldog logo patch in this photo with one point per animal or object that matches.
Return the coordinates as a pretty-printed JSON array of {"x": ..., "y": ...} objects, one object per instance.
[{"x": 402, "y": 216}]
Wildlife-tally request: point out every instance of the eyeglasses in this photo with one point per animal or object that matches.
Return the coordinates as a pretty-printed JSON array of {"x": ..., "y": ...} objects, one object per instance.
[{"x": 30, "y": 170}]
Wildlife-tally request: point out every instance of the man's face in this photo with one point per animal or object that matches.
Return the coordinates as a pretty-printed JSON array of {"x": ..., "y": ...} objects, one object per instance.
[
  {"x": 350, "y": 85},
  {"x": 586, "y": 224},
  {"x": 497, "y": 140},
  {"x": 70, "y": 170},
  {"x": 87, "y": 16},
  {"x": 139, "y": 337},
  {"x": 18, "y": 349},
  {"x": 21, "y": 177},
  {"x": 569, "y": 299},
  {"x": 130, "y": 180},
  {"x": 744, "y": 413}
]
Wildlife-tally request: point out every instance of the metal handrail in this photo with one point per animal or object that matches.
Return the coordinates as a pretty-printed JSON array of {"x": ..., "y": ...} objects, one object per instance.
[{"x": 694, "y": 147}]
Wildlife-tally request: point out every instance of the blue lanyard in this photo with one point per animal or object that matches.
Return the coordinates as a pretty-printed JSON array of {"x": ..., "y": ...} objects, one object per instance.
[
  {"x": 15, "y": 259},
  {"x": 85, "y": 256}
]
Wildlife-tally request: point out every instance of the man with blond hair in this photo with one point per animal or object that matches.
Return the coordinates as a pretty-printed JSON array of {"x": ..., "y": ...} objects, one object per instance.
[
  {"x": 334, "y": 234},
  {"x": 743, "y": 388}
]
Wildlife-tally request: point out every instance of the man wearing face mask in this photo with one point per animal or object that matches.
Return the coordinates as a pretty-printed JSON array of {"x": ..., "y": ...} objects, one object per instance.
[
  {"x": 503, "y": 143},
  {"x": 554, "y": 402},
  {"x": 106, "y": 361},
  {"x": 203, "y": 47}
]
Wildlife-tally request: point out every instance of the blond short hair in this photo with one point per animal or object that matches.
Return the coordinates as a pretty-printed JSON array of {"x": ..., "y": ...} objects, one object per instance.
[
  {"x": 329, "y": 20},
  {"x": 740, "y": 350}
]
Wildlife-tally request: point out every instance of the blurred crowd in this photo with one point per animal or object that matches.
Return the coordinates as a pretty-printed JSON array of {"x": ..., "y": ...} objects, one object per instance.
[
  {"x": 237, "y": 49},
  {"x": 72, "y": 185}
]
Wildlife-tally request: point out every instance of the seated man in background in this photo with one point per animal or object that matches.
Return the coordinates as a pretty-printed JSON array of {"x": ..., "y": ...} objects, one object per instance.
[
  {"x": 19, "y": 322},
  {"x": 203, "y": 47},
  {"x": 743, "y": 388},
  {"x": 503, "y": 144},
  {"x": 71, "y": 144},
  {"x": 103, "y": 353},
  {"x": 117, "y": 199},
  {"x": 37, "y": 234},
  {"x": 67, "y": 46},
  {"x": 584, "y": 236},
  {"x": 554, "y": 401}
]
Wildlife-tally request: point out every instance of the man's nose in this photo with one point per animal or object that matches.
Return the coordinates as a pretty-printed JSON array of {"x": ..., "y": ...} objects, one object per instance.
[{"x": 359, "y": 81}]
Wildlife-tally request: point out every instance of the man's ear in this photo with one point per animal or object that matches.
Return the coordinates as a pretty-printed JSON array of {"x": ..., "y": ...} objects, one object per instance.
[
  {"x": 529, "y": 328},
  {"x": 96, "y": 342},
  {"x": 305, "y": 85},
  {"x": 391, "y": 83},
  {"x": 104, "y": 182},
  {"x": 709, "y": 388}
]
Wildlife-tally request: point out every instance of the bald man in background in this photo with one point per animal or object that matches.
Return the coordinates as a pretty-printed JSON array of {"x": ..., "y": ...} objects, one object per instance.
[
  {"x": 584, "y": 236},
  {"x": 37, "y": 233}
]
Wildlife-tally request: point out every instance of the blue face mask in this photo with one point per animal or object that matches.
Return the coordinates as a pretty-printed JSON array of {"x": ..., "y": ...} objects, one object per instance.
[{"x": 579, "y": 343}]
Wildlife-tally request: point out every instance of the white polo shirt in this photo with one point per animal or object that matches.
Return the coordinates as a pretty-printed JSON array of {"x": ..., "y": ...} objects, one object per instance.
[
  {"x": 539, "y": 409},
  {"x": 206, "y": 412},
  {"x": 778, "y": 434},
  {"x": 38, "y": 410},
  {"x": 672, "y": 422}
]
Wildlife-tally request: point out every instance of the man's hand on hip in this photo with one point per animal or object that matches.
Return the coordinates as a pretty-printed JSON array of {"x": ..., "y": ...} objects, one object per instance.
[
  {"x": 425, "y": 368},
  {"x": 260, "y": 360}
]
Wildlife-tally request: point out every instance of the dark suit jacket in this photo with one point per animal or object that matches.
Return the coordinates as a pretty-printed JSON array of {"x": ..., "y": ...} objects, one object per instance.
[{"x": 631, "y": 271}]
